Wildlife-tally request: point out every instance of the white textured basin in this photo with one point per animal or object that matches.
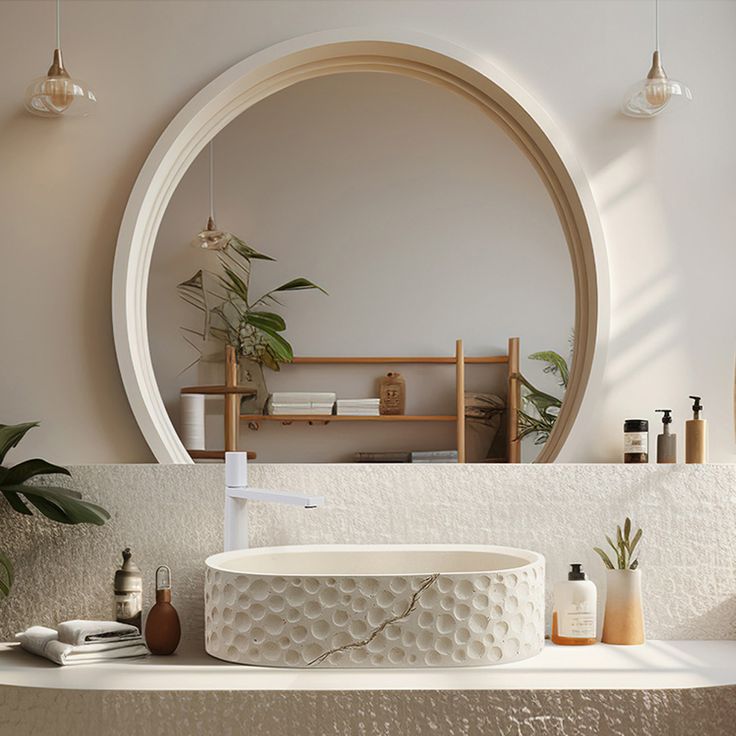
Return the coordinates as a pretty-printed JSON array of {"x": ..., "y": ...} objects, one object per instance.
[{"x": 375, "y": 606}]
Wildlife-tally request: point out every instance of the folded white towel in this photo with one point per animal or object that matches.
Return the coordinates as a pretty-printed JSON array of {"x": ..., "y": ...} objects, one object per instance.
[
  {"x": 85, "y": 632},
  {"x": 44, "y": 642}
]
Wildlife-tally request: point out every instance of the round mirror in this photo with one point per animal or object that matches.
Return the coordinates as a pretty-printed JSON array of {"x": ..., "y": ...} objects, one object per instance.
[{"x": 377, "y": 264}]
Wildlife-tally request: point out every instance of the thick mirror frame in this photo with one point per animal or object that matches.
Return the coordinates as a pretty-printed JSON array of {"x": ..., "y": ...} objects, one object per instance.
[{"x": 333, "y": 52}]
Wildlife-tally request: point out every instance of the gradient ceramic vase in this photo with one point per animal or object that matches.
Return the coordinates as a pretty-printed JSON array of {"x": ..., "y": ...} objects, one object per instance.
[{"x": 623, "y": 622}]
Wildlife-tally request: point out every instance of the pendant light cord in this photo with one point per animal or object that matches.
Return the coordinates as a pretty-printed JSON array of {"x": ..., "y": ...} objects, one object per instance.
[
  {"x": 656, "y": 25},
  {"x": 212, "y": 180},
  {"x": 58, "y": 24}
]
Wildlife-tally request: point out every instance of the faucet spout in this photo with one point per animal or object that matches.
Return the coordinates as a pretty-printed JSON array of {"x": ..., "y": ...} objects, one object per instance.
[{"x": 237, "y": 493}]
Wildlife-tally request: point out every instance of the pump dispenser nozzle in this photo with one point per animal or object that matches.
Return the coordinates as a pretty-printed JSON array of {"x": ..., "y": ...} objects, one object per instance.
[
  {"x": 667, "y": 418},
  {"x": 697, "y": 407}
]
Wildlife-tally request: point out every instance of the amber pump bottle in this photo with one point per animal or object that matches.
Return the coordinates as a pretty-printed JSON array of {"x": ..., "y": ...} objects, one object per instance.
[
  {"x": 696, "y": 436},
  {"x": 163, "y": 629}
]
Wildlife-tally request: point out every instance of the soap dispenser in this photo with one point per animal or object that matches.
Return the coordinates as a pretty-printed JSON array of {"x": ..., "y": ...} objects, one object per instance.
[
  {"x": 163, "y": 629},
  {"x": 575, "y": 608},
  {"x": 696, "y": 436},
  {"x": 666, "y": 442}
]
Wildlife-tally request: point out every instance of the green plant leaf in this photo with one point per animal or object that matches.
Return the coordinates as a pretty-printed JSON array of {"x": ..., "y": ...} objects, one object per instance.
[
  {"x": 635, "y": 541},
  {"x": 11, "y": 435},
  {"x": 297, "y": 285},
  {"x": 30, "y": 469},
  {"x": 245, "y": 251},
  {"x": 16, "y": 502},
  {"x": 6, "y": 575},
  {"x": 67, "y": 509},
  {"x": 279, "y": 348},
  {"x": 266, "y": 321},
  {"x": 556, "y": 364},
  {"x": 606, "y": 560},
  {"x": 634, "y": 565},
  {"x": 627, "y": 530}
]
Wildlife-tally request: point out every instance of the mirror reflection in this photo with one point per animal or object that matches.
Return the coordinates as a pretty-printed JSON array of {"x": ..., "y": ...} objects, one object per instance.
[{"x": 341, "y": 237}]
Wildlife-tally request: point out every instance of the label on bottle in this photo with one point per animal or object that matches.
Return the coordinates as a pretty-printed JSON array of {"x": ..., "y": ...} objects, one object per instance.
[
  {"x": 578, "y": 621},
  {"x": 128, "y": 605},
  {"x": 636, "y": 443}
]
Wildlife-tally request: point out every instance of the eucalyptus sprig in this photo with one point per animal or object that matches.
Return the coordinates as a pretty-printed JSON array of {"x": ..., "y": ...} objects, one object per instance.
[{"x": 624, "y": 548}]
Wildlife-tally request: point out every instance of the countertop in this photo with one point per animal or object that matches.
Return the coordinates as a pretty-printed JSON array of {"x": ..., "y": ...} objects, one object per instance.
[{"x": 651, "y": 666}]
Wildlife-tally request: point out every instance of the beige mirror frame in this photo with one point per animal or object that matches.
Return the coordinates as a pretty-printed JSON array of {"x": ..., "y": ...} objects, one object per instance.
[{"x": 333, "y": 52}]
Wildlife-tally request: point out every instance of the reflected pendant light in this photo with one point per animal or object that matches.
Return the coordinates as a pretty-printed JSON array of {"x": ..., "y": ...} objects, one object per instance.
[
  {"x": 211, "y": 238},
  {"x": 652, "y": 95},
  {"x": 58, "y": 93}
]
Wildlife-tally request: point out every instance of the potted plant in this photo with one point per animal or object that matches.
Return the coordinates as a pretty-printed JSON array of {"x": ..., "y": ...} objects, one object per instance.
[
  {"x": 540, "y": 409},
  {"x": 623, "y": 622},
  {"x": 231, "y": 316},
  {"x": 58, "y": 504}
]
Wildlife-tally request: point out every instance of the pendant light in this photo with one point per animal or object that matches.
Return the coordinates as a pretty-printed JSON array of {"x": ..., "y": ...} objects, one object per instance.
[
  {"x": 211, "y": 238},
  {"x": 650, "y": 96},
  {"x": 58, "y": 93}
]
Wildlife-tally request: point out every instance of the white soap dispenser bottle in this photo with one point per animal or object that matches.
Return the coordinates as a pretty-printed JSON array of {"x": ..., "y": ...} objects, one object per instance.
[{"x": 575, "y": 608}]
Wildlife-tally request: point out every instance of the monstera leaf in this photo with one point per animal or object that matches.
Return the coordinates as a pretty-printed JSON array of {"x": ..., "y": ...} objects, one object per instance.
[{"x": 62, "y": 505}]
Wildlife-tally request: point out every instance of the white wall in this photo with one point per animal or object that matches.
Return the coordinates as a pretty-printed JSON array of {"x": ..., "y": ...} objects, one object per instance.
[
  {"x": 665, "y": 188},
  {"x": 419, "y": 215}
]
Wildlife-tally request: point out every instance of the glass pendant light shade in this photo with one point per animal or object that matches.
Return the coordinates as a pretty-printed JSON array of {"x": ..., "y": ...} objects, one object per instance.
[
  {"x": 211, "y": 238},
  {"x": 652, "y": 95},
  {"x": 57, "y": 93}
]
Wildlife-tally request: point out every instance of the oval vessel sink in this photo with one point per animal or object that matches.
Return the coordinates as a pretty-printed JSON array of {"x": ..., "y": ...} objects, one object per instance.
[{"x": 375, "y": 606}]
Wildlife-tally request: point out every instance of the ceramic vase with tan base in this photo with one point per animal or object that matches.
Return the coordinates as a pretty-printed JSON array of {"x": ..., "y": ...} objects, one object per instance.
[{"x": 623, "y": 622}]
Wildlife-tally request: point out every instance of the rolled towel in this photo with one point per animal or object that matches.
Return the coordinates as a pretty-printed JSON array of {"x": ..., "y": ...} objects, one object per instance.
[
  {"x": 90, "y": 632},
  {"x": 44, "y": 642}
]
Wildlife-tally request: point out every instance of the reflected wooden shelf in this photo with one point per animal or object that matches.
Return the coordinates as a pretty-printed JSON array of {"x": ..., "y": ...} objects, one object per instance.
[
  {"x": 213, "y": 455},
  {"x": 450, "y": 360},
  {"x": 218, "y": 390},
  {"x": 325, "y": 418}
]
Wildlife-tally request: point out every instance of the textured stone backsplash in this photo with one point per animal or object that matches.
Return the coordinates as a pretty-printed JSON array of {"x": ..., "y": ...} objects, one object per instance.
[{"x": 173, "y": 515}]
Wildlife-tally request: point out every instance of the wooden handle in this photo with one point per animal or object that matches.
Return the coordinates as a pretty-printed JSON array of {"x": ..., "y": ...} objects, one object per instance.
[
  {"x": 232, "y": 401},
  {"x": 513, "y": 403},
  {"x": 460, "y": 399}
]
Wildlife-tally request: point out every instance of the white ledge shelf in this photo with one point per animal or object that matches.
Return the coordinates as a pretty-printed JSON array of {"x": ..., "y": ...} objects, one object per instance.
[{"x": 652, "y": 666}]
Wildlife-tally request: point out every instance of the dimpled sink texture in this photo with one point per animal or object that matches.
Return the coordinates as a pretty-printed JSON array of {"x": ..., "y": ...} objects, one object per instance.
[{"x": 491, "y": 612}]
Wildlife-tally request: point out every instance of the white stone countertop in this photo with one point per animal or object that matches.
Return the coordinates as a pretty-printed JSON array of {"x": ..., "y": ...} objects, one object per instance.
[{"x": 654, "y": 665}]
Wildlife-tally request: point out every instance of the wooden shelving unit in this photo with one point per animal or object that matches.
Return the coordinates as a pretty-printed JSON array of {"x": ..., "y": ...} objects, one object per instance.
[
  {"x": 327, "y": 418},
  {"x": 233, "y": 393}
]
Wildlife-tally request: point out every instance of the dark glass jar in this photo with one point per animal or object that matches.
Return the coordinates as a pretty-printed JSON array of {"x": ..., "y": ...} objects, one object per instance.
[{"x": 636, "y": 441}]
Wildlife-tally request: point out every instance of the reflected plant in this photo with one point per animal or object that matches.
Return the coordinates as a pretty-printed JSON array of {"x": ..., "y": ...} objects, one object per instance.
[
  {"x": 62, "y": 505},
  {"x": 540, "y": 409},
  {"x": 231, "y": 317},
  {"x": 624, "y": 548}
]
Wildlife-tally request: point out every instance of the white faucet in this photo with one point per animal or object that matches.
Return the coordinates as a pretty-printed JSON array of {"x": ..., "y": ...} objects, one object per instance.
[{"x": 237, "y": 494}]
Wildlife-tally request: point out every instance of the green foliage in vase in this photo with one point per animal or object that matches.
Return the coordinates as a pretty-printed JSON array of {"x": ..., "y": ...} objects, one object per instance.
[
  {"x": 624, "y": 548},
  {"x": 230, "y": 314},
  {"x": 58, "y": 504},
  {"x": 540, "y": 409}
]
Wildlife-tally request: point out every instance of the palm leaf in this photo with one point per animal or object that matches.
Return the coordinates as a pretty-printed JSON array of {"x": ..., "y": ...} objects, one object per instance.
[
  {"x": 11, "y": 435},
  {"x": 245, "y": 251},
  {"x": 58, "y": 504},
  {"x": 6, "y": 575},
  {"x": 30, "y": 469}
]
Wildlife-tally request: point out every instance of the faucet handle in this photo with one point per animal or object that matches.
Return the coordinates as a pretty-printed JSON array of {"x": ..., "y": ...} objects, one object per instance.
[{"x": 236, "y": 469}]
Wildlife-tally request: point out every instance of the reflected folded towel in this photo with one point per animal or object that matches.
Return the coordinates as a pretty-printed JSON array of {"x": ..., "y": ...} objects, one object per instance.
[
  {"x": 90, "y": 632},
  {"x": 45, "y": 642}
]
